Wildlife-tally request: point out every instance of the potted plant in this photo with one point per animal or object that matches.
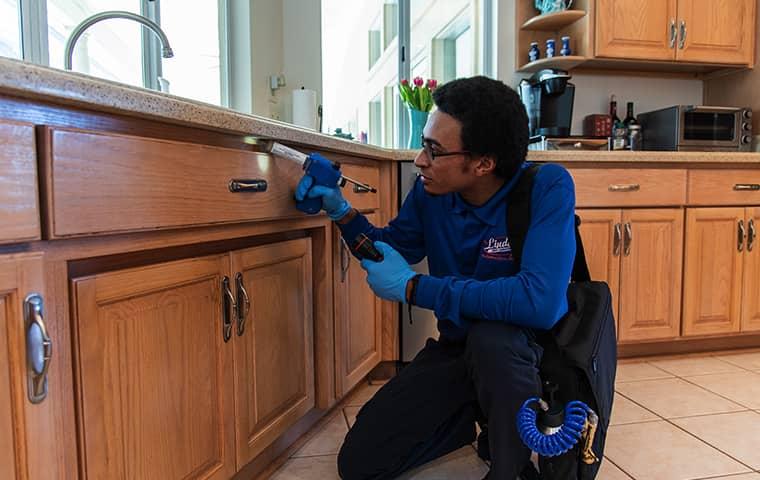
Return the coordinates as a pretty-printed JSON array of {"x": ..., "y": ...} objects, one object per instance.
[{"x": 418, "y": 99}]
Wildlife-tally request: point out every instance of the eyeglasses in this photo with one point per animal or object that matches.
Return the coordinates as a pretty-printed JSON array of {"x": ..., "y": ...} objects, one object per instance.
[{"x": 428, "y": 148}]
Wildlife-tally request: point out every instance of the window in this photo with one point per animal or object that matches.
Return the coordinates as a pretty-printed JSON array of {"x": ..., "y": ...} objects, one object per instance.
[
  {"x": 120, "y": 49},
  {"x": 374, "y": 43},
  {"x": 375, "y": 121},
  {"x": 10, "y": 33},
  {"x": 390, "y": 22}
]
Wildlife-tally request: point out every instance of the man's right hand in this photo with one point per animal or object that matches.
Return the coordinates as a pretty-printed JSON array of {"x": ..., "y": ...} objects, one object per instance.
[{"x": 332, "y": 199}]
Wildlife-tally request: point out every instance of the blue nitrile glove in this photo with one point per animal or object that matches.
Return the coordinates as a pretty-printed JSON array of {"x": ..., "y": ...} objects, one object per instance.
[
  {"x": 388, "y": 278},
  {"x": 332, "y": 199}
]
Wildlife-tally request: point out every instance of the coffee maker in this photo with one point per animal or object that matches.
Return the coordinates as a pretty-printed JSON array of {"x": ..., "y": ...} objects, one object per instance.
[{"x": 548, "y": 98}]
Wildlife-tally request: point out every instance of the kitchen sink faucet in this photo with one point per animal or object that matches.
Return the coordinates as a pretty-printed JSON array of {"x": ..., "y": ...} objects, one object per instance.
[{"x": 166, "y": 50}]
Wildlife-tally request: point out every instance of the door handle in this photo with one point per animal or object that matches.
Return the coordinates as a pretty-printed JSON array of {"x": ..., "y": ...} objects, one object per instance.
[
  {"x": 227, "y": 301},
  {"x": 627, "y": 239},
  {"x": 39, "y": 348},
  {"x": 740, "y": 236},
  {"x": 673, "y": 33},
  {"x": 624, "y": 187},
  {"x": 345, "y": 260},
  {"x": 243, "y": 302},
  {"x": 751, "y": 235},
  {"x": 616, "y": 240},
  {"x": 682, "y": 40}
]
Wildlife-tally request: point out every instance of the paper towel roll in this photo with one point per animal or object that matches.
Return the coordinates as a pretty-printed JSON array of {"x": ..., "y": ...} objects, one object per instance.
[{"x": 305, "y": 108}]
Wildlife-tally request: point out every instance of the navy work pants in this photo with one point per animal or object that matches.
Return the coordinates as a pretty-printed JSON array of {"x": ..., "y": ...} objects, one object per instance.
[{"x": 430, "y": 408}]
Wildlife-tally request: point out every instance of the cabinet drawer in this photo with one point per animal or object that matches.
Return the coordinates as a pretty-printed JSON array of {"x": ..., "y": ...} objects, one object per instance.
[
  {"x": 19, "y": 208},
  {"x": 359, "y": 198},
  {"x": 101, "y": 182},
  {"x": 625, "y": 187},
  {"x": 724, "y": 187}
]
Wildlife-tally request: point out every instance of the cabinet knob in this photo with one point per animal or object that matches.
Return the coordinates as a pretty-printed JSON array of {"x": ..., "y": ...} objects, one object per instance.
[{"x": 39, "y": 348}]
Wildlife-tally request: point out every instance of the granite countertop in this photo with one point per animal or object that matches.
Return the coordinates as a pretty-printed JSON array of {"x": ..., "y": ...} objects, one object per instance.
[{"x": 23, "y": 79}]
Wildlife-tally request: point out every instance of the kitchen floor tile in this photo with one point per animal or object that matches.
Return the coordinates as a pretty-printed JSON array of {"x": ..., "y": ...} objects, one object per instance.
[
  {"x": 674, "y": 397},
  {"x": 661, "y": 451},
  {"x": 327, "y": 440},
  {"x": 695, "y": 366},
  {"x": 309, "y": 468},
  {"x": 625, "y": 411},
  {"x": 744, "y": 476},
  {"x": 631, "y": 372},
  {"x": 736, "y": 434},
  {"x": 749, "y": 361},
  {"x": 362, "y": 394},
  {"x": 462, "y": 464},
  {"x": 350, "y": 413},
  {"x": 741, "y": 387},
  {"x": 608, "y": 471}
]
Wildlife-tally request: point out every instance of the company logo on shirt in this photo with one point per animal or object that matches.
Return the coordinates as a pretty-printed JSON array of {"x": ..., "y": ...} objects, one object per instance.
[{"x": 497, "y": 248}]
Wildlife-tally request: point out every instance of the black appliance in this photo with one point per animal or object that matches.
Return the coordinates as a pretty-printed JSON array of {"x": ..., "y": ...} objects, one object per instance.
[
  {"x": 548, "y": 98},
  {"x": 698, "y": 128}
]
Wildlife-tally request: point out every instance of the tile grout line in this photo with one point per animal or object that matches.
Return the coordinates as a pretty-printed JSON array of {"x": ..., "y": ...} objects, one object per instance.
[
  {"x": 715, "y": 393},
  {"x": 620, "y": 468}
]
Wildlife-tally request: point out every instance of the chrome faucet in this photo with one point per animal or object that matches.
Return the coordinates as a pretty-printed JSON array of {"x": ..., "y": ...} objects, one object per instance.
[{"x": 166, "y": 50}]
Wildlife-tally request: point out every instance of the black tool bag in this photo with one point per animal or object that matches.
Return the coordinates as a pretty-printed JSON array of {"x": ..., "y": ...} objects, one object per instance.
[{"x": 580, "y": 351}]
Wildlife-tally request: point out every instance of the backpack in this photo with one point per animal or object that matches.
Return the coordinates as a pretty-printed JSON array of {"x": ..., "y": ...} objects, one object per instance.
[{"x": 580, "y": 351}]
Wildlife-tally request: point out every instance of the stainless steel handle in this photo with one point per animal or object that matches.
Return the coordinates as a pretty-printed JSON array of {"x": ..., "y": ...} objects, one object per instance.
[
  {"x": 345, "y": 260},
  {"x": 624, "y": 187},
  {"x": 627, "y": 239},
  {"x": 616, "y": 240},
  {"x": 243, "y": 302},
  {"x": 673, "y": 33},
  {"x": 740, "y": 236},
  {"x": 227, "y": 300},
  {"x": 751, "y": 235},
  {"x": 237, "y": 185},
  {"x": 39, "y": 348},
  {"x": 739, "y": 187},
  {"x": 682, "y": 40},
  {"x": 361, "y": 188}
]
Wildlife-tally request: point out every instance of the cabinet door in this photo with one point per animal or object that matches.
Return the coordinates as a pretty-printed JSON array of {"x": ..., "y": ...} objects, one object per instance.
[
  {"x": 601, "y": 232},
  {"x": 641, "y": 29},
  {"x": 27, "y": 430},
  {"x": 274, "y": 352},
  {"x": 154, "y": 372},
  {"x": 751, "y": 285},
  {"x": 19, "y": 212},
  {"x": 650, "y": 278},
  {"x": 712, "y": 271},
  {"x": 357, "y": 320},
  {"x": 716, "y": 31}
]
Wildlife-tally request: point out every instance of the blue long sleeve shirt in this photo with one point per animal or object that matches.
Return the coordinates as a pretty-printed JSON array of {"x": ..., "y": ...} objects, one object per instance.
[{"x": 472, "y": 274}]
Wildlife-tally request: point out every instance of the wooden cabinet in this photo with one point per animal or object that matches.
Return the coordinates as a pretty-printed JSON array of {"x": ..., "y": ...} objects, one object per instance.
[
  {"x": 274, "y": 348},
  {"x": 28, "y": 429},
  {"x": 358, "y": 320},
  {"x": 19, "y": 204},
  {"x": 700, "y": 31},
  {"x": 721, "y": 271},
  {"x": 178, "y": 373},
  {"x": 647, "y": 243}
]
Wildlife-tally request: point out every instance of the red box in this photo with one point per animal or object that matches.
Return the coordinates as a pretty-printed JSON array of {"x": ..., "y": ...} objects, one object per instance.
[{"x": 597, "y": 125}]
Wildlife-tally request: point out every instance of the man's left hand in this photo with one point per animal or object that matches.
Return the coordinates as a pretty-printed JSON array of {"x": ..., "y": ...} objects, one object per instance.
[{"x": 388, "y": 278}]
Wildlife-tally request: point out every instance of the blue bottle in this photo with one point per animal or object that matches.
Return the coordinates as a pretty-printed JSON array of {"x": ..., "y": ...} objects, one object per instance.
[
  {"x": 565, "y": 47},
  {"x": 550, "y": 48},
  {"x": 534, "y": 53}
]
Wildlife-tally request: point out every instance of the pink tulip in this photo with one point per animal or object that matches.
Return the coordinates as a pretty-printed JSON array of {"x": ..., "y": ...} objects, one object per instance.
[
  {"x": 431, "y": 84},
  {"x": 418, "y": 81},
  {"x": 405, "y": 82}
]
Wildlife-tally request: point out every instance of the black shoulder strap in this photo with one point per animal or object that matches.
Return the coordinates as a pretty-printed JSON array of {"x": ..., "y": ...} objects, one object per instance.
[{"x": 518, "y": 222}]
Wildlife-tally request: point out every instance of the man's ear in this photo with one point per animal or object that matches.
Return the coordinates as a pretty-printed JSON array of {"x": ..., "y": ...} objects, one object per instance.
[{"x": 486, "y": 165}]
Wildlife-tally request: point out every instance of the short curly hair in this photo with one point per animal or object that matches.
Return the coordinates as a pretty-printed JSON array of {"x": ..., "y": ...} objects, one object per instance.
[{"x": 494, "y": 121}]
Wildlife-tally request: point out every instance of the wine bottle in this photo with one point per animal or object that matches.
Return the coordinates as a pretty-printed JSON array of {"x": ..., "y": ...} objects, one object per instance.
[{"x": 629, "y": 118}]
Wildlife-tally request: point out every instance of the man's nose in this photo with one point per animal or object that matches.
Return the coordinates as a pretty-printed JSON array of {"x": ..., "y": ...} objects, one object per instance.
[{"x": 421, "y": 160}]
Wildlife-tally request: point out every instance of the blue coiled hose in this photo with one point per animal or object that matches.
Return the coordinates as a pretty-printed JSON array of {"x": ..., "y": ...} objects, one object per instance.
[{"x": 559, "y": 442}]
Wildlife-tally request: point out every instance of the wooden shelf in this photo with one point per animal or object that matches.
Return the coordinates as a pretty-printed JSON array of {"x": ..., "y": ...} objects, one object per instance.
[
  {"x": 563, "y": 63},
  {"x": 553, "y": 21}
]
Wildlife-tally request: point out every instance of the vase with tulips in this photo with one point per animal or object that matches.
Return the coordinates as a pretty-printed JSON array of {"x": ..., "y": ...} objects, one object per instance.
[{"x": 418, "y": 99}]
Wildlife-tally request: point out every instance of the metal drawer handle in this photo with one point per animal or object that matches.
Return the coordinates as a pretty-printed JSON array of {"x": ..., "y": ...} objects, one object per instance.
[
  {"x": 616, "y": 240},
  {"x": 751, "y": 235},
  {"x": 39, "y": 348},
  {"x": 747, "y": 187},
  {"x": 740, "y": 236},
  {"x": 624, "y": 187},
  {"x": 227, "y": 300},
  {"x": 243, "y": 302},
  {"x": 682, "y": 41},
  {"x": 673, "y": 33},
  {"x": 627, "y": 239},
  {"x": 247, "y": 185}
]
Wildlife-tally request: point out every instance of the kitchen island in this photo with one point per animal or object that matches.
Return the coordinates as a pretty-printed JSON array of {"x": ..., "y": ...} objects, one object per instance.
[{"x": 195, "y": 332}]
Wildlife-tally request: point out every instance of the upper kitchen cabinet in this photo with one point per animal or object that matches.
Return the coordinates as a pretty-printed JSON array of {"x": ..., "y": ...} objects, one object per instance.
[{"x": 654, "y": 35}]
